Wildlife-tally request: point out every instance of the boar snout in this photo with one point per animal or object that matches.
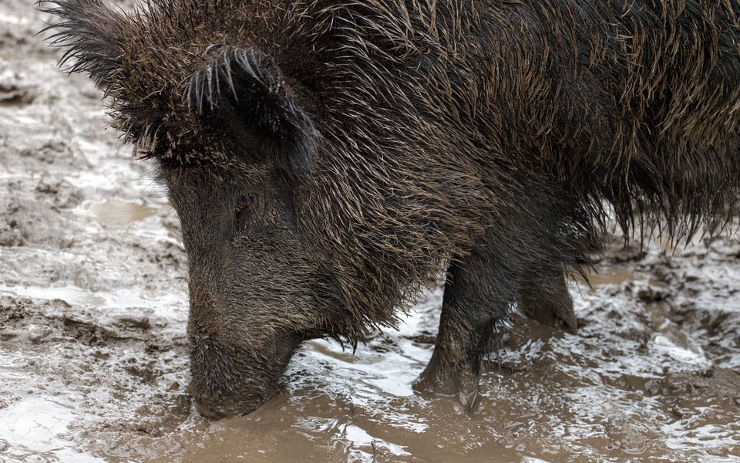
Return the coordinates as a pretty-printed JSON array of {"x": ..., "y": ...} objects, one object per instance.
[
  {"x": 207, "y": 409},
  {"x": 235, "y": 367},
  {"x": 222, "y": 383},
  {"x": 230, "y": 380}
]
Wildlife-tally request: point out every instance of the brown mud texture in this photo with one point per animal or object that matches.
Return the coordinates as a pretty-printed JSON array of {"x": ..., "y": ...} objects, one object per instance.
[{"x": 94, "y": 359}]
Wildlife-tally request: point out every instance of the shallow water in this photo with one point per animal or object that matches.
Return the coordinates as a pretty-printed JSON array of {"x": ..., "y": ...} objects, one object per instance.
[
  {"x": 94, "y": 359},
  {"x": 116, "y": 213}
]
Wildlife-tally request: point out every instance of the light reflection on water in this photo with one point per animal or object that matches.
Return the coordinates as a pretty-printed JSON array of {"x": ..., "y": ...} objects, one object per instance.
[{"x": 33, "y": 430}]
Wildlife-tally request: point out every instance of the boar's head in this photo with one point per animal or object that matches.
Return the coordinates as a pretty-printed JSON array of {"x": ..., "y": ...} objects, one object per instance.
[
  {"x": 295, "y": 221},
  {"x": 233, "y": 145}
]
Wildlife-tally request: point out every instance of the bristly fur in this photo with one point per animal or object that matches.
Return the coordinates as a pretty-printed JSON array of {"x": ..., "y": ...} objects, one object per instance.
[
  {"x": 94, "y": 48},
  {"x": 204, "y": 86},
  {"x": 445, "y": 124},
  {"x": 249, "y": 82}
]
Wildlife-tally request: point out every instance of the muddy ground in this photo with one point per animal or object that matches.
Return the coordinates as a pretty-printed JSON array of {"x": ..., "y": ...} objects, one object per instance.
[{"x": 93, "y": 307}]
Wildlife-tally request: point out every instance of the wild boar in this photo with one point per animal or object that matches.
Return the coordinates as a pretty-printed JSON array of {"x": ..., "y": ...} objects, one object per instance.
[{"x": 327, "y": 157}]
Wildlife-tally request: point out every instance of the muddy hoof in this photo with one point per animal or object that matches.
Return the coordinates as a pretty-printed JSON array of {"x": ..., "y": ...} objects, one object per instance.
[
  {"x": 558, "y": 314},
  {"x": 465, "y": 390}
]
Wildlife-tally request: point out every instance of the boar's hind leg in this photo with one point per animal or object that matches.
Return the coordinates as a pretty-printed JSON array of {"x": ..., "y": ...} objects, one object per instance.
[
  {"x": 547, "y": 301},
  {"x": 473, "y": 303}
]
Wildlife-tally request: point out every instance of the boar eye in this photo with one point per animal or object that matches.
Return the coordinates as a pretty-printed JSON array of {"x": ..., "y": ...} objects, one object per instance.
[{"x": 246, "y": 201}]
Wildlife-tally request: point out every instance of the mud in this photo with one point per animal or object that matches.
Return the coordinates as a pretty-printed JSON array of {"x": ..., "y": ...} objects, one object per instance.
[{"x": 93, "y": 308}]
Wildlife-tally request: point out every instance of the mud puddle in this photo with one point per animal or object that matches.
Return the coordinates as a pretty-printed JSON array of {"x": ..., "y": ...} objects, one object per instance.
[
  {"x": 117, "y": 213},
  {"x": 93, "y": 310}
]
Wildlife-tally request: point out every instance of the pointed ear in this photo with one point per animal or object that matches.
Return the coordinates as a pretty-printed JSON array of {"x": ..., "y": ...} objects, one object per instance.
[
  {"x": 92, "y": 34},
  {"x": 249, "y": 82}
]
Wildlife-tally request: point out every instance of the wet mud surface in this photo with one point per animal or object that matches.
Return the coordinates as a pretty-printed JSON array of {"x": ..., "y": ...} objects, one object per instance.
[{"x": 94, "y": 359}]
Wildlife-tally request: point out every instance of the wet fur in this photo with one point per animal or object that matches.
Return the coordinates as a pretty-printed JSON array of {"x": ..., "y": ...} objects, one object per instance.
[{"x": 500, "y": 135}]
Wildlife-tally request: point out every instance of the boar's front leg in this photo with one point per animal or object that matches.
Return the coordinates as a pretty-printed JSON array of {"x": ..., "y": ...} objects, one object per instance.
[
  {"x": 546, "y": 300},
  {"x": 474, "y": 302}
]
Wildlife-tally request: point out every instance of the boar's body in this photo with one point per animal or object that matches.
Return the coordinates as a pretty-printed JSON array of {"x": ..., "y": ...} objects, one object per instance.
[{"x": 326, "y": 157}]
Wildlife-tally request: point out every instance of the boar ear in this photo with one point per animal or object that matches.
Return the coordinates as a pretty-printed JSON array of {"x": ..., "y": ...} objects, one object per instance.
[
  {"x": 249, "y": 82},
  {"x": 92, "y": 33}
]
